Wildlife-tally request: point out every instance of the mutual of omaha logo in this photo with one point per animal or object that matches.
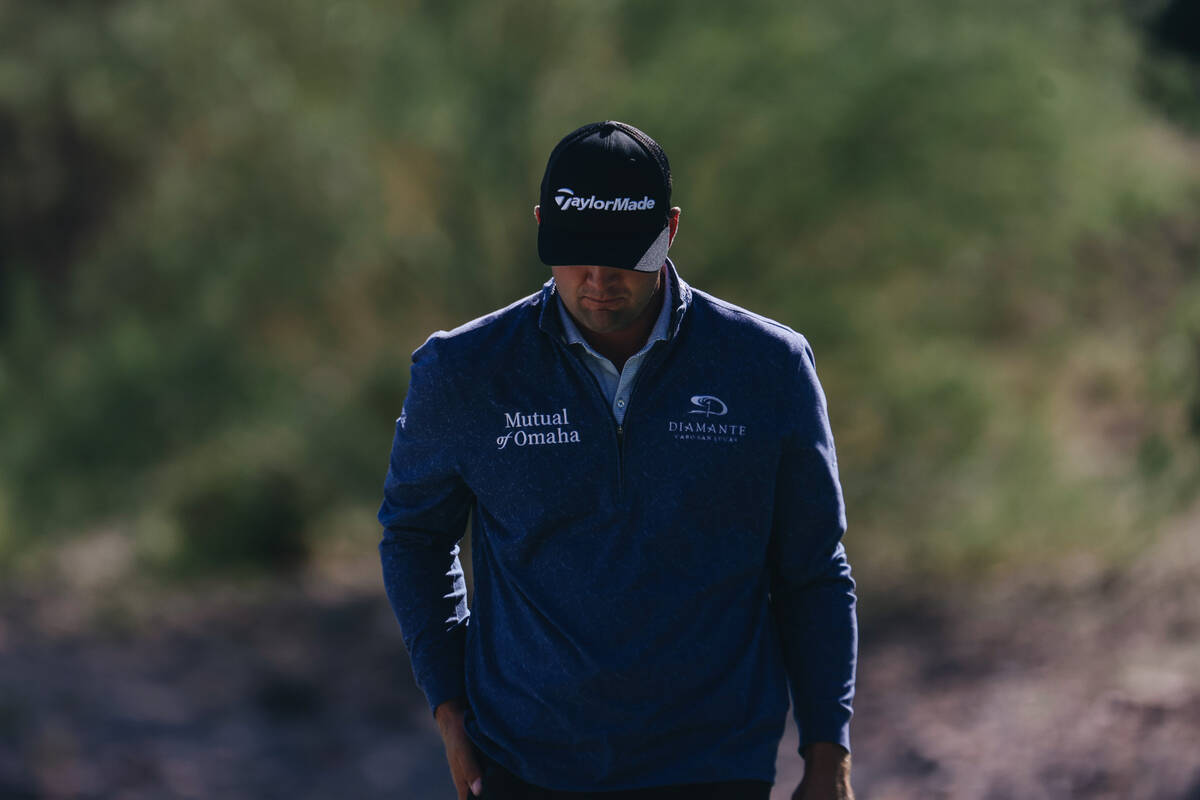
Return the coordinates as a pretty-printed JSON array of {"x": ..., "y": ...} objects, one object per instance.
[
  {"x": 702, "y": 429},
  {"x": 567, "y": 200},
  {"x": 523, "y": 429}
]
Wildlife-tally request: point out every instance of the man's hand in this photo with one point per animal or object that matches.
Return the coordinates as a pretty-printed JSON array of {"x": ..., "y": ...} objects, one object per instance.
[
  {"x": 460, "y": 752},
  {"x": 826, "y": 773}
]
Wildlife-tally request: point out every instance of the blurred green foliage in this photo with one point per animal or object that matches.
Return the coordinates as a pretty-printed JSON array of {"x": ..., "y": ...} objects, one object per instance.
[{"x": 226, "y": 225}]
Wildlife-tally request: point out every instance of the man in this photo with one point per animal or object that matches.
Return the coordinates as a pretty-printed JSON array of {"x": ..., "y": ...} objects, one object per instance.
[{"x": 657, "y": 520}]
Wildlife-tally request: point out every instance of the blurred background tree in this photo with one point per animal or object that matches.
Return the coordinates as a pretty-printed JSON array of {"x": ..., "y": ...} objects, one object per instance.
[{"x": 224, "y": 226}]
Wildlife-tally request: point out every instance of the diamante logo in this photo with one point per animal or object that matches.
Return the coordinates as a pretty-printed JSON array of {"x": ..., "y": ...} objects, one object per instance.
[
  {"x": 709, "y": 406},
  {"x": 566, "y": 200},
  {"x": 703, "y": 430}
]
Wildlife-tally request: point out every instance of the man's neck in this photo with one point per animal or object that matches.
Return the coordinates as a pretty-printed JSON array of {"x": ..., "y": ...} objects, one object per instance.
[{"x": 618, "y": 346}]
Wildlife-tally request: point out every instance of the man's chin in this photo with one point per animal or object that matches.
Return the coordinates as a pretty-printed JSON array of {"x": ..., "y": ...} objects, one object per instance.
[{"x": 606, "y": 322}]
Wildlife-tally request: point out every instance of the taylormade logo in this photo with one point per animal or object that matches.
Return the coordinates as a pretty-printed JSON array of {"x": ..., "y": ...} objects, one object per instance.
[{"x": 566, "y": 200}]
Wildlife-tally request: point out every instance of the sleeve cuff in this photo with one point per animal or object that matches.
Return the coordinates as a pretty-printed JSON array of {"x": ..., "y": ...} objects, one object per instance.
[
  {"x": 837, "y": 734},
  {"x": 448, "y": 684}
]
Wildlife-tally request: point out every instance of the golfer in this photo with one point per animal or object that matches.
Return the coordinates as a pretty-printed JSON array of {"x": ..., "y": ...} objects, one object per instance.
[{"x": 656, "y": 514}]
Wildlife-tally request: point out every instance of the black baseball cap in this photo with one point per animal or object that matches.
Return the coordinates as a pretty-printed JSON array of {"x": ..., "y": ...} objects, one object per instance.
[{"x": 605, "y": 200}]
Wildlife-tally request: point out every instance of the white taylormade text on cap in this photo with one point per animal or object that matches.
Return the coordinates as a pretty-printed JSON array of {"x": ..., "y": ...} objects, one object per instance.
[{"x": 566, "y": 200}]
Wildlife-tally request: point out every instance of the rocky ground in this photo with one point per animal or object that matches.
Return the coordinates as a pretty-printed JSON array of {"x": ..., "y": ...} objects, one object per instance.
[{"x": 1077, "y": 683}]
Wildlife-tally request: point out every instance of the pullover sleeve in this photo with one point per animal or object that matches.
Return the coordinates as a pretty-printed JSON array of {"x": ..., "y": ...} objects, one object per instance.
[
  {"x": 812, "y": 593},
  {"x": 424, "y": 514}
]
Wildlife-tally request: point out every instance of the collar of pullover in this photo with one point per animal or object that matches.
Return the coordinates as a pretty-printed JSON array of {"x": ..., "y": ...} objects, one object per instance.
[{"x": 680, "y": 298}]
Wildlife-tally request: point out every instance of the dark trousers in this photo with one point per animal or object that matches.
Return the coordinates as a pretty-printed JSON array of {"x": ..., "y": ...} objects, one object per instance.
[{"x": 500, "y": 784}]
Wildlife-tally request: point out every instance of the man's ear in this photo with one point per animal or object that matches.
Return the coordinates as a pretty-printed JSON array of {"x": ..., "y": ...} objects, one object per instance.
[
  {"x": 537, "y": 214},
  {"x": 672, "y": 223}
]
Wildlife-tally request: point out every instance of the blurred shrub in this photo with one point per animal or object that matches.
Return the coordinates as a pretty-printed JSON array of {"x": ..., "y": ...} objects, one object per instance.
[
  {"x": 226, "y": 225},
  {"x": 254, "y": 521}
]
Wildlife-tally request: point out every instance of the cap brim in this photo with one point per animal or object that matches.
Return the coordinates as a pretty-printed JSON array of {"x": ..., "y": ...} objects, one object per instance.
[{"x": 637, "y": 251}]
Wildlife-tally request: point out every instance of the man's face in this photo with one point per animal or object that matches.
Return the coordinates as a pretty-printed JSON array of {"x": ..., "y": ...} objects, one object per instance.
[{"x": 605, "y": 299}]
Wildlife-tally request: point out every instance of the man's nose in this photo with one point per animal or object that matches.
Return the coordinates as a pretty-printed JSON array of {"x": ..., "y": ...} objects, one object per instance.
[{"x": 600, "y": 276}]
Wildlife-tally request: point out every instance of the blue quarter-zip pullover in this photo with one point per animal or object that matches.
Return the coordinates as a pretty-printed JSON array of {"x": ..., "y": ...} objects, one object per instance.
[{"x": 645, "y": 593}]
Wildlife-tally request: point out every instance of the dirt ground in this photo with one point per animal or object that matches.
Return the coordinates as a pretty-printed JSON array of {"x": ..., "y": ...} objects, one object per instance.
[{"x": 1077, "y": 683}]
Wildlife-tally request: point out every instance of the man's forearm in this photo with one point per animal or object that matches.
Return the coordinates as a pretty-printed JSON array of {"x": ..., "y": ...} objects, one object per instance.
[
  {"x": 428, "y": 595},
  {"x": 818, "y": 629},
  {"x": 825, "y": 757}
]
